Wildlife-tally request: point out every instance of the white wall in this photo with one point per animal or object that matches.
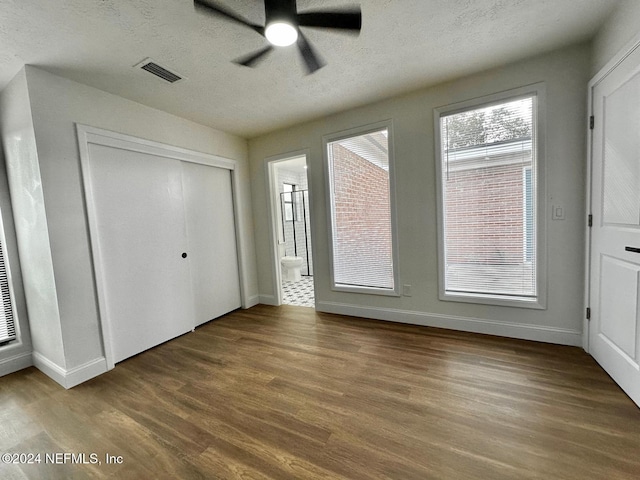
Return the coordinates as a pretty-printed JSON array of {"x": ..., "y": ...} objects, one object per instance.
[
  {"x": 622, "y": 27},
  {"x": 56, "y": 105},
  {"x": 566, "y": 73},
  {"x": 29, "y": 218}
]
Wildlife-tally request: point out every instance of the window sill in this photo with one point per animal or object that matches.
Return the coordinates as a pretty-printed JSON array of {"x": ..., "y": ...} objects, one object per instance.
[
  {"x": 366, "y": 290},
  {"x": 497, "y": 300}
]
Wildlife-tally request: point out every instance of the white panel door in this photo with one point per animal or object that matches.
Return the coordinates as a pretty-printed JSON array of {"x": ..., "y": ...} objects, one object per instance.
[
  {"x": 208, "y": 204},
  {"x": 138, "y": 204},
  {"x": 614, "y": 338}
]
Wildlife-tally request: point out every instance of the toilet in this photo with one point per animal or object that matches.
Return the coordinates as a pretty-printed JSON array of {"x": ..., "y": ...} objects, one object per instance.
[{"x": 291, "y": 268}]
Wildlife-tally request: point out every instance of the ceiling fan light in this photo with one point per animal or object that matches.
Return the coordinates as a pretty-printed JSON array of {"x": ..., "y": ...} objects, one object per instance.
[{"x": 281, "y": 34}]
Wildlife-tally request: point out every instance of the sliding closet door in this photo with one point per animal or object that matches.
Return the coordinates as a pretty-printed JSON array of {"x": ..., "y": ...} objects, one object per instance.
[
  {"x": 141, "y": 239},
  {"x": 208, "y": 205}
]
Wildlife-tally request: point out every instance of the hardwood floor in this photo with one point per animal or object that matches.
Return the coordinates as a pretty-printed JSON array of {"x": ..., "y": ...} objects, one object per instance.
[{"x": 287, "y": 393}]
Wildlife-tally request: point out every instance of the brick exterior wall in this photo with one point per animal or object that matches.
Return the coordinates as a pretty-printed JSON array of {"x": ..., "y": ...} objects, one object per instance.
[
  {"x": 485, "y": 215},
  {"x": 362, "y": 222}
]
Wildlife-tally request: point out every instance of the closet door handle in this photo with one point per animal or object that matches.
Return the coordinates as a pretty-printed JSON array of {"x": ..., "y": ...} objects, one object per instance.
[
  {"x": 632, "y": 249},
  {"x": 184, "y": 254}
]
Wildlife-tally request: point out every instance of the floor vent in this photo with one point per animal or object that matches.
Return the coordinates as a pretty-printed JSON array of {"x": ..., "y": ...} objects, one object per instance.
[{"x": 159, "y": 71}]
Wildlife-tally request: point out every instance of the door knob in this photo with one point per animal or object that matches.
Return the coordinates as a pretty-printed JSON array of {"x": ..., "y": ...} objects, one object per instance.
[
  {"x": 184, "y": 254},
  {"x": 632, "y": 249}
]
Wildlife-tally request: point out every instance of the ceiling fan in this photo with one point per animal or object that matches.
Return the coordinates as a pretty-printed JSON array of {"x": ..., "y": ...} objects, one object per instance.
[{"x": 282, "y": 27}]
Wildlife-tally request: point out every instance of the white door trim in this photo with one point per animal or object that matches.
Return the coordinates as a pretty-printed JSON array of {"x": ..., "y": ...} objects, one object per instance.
[
  {"x": 272, "y": 216},
  {"x": 597, "y": 78},
  {"x": 91, "y": 135}
]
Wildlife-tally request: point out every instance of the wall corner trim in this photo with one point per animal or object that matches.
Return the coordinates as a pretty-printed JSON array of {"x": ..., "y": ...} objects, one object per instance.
[
  {"x": 72, "y": 377},
  {"x": 500, "y": 328}
]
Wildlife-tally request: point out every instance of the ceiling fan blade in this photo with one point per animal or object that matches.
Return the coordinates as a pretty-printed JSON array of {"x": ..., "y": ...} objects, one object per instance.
[
  {"x": 209, "y": 8},
  {"x": 350, "y": 20},
  {"x": 253, "y": 58},
  {"x": 310, "y": 57}
]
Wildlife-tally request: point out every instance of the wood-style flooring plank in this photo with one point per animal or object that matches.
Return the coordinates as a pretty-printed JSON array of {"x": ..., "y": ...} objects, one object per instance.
[{"x": 289, "y": 393}]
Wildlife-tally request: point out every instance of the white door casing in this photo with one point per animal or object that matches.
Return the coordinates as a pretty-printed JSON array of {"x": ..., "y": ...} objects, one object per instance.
[
  {"x": 274, "y": 219},
  {"x": 614, "y": 281},
  {"x": 164, "y": 173}
]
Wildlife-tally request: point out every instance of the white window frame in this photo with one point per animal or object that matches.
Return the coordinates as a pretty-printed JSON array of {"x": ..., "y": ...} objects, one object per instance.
[
  {"x": 288, "y": 202},
  {"x": 354, "y": 132},
  {"x": 539, "y": 147}
]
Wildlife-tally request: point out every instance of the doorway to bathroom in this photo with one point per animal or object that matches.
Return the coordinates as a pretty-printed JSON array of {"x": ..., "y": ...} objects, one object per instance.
[{"x": 291, "y": 226}]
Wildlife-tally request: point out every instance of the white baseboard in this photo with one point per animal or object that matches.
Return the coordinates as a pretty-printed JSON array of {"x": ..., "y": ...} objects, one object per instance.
[
  {"x": 49, "y": 368},
  {"x": 69, "y": 378},
  {"x": 538, "y": 333},
  {"x": 252, "y": 301},
  {"x": 268, "y": 300},
  {"x": 77, "y": 375},
  {"x": 14, "y": 363}
]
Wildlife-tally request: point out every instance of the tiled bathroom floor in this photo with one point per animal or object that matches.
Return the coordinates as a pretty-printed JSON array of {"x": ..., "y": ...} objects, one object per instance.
[{"x": 299, "y": 293}]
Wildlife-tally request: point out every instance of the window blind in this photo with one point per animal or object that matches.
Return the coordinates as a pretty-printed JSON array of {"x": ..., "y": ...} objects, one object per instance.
[
  {"x": 7, "y": 324},
  {"x": 360, "y": 211},
  {"x": 489, "y": 185}
]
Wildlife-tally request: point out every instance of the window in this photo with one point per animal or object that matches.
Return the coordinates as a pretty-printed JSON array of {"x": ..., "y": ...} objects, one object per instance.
[
  {"x": 7, "y": 324},
  {"x": 488, "y": 195},
  {"x": 360, "y": 181},
  {"x": 287, "y": 201}
]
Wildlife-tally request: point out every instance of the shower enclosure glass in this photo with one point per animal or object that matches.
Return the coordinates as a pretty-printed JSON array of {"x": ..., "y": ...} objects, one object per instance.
[{"x": 296, "y": 226}]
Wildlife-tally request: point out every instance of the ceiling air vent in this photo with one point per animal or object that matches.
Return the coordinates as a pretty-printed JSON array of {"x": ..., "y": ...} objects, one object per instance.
[{"x": 159, "y": 71}]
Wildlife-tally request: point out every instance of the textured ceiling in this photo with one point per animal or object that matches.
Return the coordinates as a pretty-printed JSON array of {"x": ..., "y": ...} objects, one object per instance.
[{"x": 404, "y": 44}]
